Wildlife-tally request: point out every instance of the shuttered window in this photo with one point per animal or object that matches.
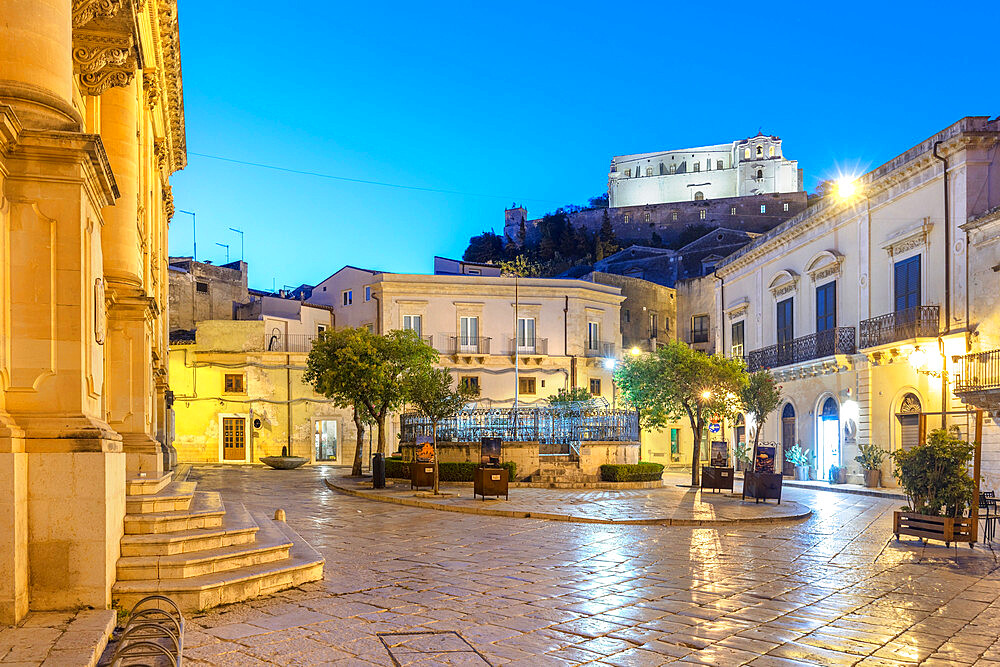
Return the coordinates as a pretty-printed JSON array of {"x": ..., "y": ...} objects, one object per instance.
[
  {"x": 906, "y": 275},
  {"x": 826, "y": 307}
]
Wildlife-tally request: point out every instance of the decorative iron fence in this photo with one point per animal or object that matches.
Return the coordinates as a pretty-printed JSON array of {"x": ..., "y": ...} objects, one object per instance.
[
  {"x": 840, "y": 340},
  {"x": 918, "y": 322},
  {"x": 468, "y": 345},
  {"x": 980, "y": 372},
  {"x": 528, "y": 346},
  {"x": 596, "y": 348},
  {"x": 561, "y": 427},
  {"x": 279, "y": 342}
]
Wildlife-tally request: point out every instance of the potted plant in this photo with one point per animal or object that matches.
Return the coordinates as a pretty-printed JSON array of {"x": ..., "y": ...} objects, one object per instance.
[
  {"x": 743, "y": 457},
  {"x": 834, "y": 474},
  {"x": 871, "y": 457},
  {"x": 799, "y": 458},
  {"x": 935, "y": 477}
]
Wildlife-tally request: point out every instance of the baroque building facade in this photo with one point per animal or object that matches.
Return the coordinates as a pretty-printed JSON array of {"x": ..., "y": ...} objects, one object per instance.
[
  {"x": 870, "y": 307},
  {"x": 91, "y": 128}
]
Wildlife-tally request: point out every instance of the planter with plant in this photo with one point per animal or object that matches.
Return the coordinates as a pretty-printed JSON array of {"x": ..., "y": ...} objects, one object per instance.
[
  {"x": 940, "y": 492},
  {"x": 871, "y": 457},
  {"x": 833, "y": 475},
  {"x": 799, "y": 458}
]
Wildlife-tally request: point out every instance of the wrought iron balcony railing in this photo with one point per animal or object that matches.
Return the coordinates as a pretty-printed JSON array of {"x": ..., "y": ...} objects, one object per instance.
[
  {"x": 840, "y": 340},
  {"x": 469, "y": 345},
  {"x": 980, "y": 372},
  {"x": 918, "y": 322},
  {"x": 536, "y": 346},
  {"x": 279, "y": 342},
  {"x": 597, "y": 348}
]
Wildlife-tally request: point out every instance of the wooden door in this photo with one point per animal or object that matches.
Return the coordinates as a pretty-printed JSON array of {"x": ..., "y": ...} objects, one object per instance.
[
  {"x": 787, "y": 438},
  {"x": 234, "y": 439}
]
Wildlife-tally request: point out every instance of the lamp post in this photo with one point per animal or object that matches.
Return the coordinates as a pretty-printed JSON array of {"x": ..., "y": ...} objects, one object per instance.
[
  {"x": 240, "y": 232},
  {"x": 194, "y": 233},
  {"x": 226, "y": 246}
]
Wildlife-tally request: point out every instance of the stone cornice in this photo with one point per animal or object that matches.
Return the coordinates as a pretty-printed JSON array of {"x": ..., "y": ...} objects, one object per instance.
[
  {"x": 35, "y": 147},
  {"x": 908, "y": 239},
  {"x": 169, "y": 51},
  {"x": 84, "y": 11}
]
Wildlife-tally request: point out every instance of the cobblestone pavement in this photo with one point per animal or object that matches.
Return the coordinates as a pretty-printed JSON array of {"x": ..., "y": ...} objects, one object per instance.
[
  {"x": 667, "y": 504},
  {"x": 438, "y": 588}
]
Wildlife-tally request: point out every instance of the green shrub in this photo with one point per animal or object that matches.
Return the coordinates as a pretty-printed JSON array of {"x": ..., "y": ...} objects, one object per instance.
[
  {"x": 632, "y": 472},
  {"x": 396, "y": 468},
  {"x": 935, "y": 475}
]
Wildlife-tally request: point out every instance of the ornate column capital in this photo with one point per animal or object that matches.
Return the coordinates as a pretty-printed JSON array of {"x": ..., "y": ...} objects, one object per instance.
[
  {"x": 85, "y": 11},
  {"x": 105, "y": 44}
]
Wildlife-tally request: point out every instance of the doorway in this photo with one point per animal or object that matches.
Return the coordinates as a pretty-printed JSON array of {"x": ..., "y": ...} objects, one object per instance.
[
  {"x": 325, "y": 445},
  {"x": 234, "y": 439},
  {"x": 787, "y": 438},
  {"x": 828, "y": 447},
  {"x": 909, "y": 421}
]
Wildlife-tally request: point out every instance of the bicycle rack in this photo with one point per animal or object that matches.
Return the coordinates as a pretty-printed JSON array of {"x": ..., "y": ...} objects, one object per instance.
[{"x": 151, "y": 634}]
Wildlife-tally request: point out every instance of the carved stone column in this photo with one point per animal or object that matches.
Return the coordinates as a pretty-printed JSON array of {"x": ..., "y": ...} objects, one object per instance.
[
  {"x": 120, "y": 235},
  {"x": 36, "y": 68}
]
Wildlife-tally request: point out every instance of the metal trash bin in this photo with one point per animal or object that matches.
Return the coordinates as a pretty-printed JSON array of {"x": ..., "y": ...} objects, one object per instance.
[{"x": 378, "y": 471}]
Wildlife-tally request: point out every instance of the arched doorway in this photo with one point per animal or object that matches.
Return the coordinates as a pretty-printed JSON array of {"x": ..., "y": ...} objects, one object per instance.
[
  {"x": 739, "y": 439},
  {"x": 828, "y": 442},
  {"x": 787, "y": 437},
  {"x": 909, "y": 421}
]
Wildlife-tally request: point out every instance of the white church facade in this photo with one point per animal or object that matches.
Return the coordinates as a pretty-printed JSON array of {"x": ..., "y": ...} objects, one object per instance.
[{"x": 752, "y": 166}]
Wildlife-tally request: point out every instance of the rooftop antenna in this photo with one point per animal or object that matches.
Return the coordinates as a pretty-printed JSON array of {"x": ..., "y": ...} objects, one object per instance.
[
  {"x": 240, "y": 232},
  {"x": 223, "y": 245}
]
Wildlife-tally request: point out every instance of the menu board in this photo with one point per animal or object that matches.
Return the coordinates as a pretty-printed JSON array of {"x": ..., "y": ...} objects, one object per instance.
[
  {"x": 425, "y": 449},
  {"x": 720, "y": 454},
  {"x": 489, "y": 451},
  {"x": 764, "y": 458}
]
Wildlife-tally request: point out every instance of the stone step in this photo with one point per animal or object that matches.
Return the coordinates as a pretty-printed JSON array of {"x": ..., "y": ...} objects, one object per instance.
[
  {"x": 140, "y": 486},
  {"x": 173, "y": 497},
  {"x": 238, "y": 527},
  {"x": 270, "y": 545},
  {"x": 303, "y": 564},
  {"x": 205, "y": 511}
]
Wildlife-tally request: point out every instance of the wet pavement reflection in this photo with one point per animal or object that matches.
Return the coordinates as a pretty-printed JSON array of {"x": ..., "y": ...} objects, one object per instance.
[{"x": 833, "y": 589}]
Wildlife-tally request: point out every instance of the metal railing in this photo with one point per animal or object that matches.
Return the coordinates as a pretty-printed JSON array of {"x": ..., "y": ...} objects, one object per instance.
[
  {"x": 468, "y": 345},
  {"x": 528, "y": 346},
  {"x": 280, "y": 342},
  {"x": 840, "y": 340},
  {"x": 980, "y": 372},
  {"x": 153, "y": 634},
  {"x": 597, "y": 348},
  {"x": 547, "y": 426},
  {"x": 918, "y": 322}
]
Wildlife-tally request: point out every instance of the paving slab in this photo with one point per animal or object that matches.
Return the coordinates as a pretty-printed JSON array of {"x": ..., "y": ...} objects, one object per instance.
[{"x": 57, "y": 639}]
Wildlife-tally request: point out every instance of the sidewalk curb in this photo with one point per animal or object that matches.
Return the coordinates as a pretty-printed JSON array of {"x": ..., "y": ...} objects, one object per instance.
[{"x": 516, "y": 514}]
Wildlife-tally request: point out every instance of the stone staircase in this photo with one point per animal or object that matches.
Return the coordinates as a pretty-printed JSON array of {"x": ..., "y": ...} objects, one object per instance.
[
  {"x": 561, "y": 472},
  {"x": 201, "y": 552}
]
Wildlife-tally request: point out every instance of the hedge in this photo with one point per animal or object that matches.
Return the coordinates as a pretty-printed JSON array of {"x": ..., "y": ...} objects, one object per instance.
[
  {"x": 634, "y": 472},
  {"x": 396, "y": 468}
]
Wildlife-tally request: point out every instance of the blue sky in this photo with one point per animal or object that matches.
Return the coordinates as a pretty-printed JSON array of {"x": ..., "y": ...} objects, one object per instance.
[{"x": 529, "y": 102}]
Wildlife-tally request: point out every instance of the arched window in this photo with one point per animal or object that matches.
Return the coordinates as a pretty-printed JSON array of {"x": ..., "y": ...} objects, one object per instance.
[
  {"x": 770, "y": 151},
  {"x": 746, "y": 152},
  {"x": 649, "y": 171},
  {"x": 760, "y": 174},
  {"x": 760, "y": 151},
  {"x": 699, "y": 196},
  {"x": 673, "y": 169},
  {"x": 697, "y": 166},
  {"x": 718, "y": 164},
  {"x": 909, "y": 421},
  {"x": 787, "y": 437}
]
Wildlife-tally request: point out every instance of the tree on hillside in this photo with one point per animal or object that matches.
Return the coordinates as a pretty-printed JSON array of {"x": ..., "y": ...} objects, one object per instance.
[
  {"x": 521, "y": 267},
  {"x": 487, "y": 247},
  {"x": 429, "y": 390},
  {"x": 356, "y": 366},
  {"x": 759, "y": 395},
  {"x": 606, "y": 236},
  {"x": 600, "y": 201},
  {"x": 676, "y": 380}
]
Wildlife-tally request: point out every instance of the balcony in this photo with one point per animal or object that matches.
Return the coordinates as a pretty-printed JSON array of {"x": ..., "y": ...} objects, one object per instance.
[
  {"x": 279, "y": 342},
  {"x": 528, "y": 346},
  {"x": 919, "y": 322},
  {"x": 468, "y": 345},
  {"x": 827, "y": 343},
  {"x": 596, "y": 348},
  {"x": 979, "y": 383}
]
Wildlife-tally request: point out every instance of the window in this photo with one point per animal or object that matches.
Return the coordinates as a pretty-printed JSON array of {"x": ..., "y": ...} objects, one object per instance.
[
  {"x": 526, "y": 385},
  {"x": 324, "y": 288},
  {"x": 627, "y": 316},
  {"x": 348, "y": 297},
  {"x": 412, "y": 323},
  {"x": 699, "y": 329},
  {"x": 708, "y": 165},
  {"x": 201, "y": 287},
  {"x": 826, "y": 307},
  {"x": 595, "y": 386},
  {"x": 737, "y": 348},
  {"x": 702, "y": 213},
  {"x": 718, "y": 164},
  {"x": 906, "y": 287},
  {"x": 746, "y": 152},
  {"x": 673, "y": 215},
  {"x": 760, "y": 150},
  {"x": 368, "y": 292},
  {"x": 786, "y": 330},
  {"x": 760, "y": 174},
  {"x": 654, "y": 322},
  {"x": 474, "y": 272},
  {"x": 697, "y": 166},
  {"x": 732, "y": 210},
  {"x": 770, "y": 151},
  {"x": 370, "y": 327},
  {"x": 627, "y": 217},
  {"x": 763, "y": 208},
  {"x": 526, "y": 333},
  {"x": 468, "y": 333},
  {"x": 785, "y": 205},
  {"x": 673, "y": 169},
  {"x": 593, "y": 335},
  {"x": 470, "y": 381},
  {"x": 699, "y": 196},
  {"x": 646, "y": 216},
  {"x": 628, "y": 173},
  {"x": 320, "y": 328},
  {"x": 649, "y": 171},
  {"x": 233, "y": 383}
]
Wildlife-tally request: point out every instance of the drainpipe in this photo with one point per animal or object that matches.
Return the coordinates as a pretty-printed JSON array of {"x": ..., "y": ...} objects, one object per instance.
[
  {"x": 288, "y": 427},
  {"x": 947, "y": 286},
  {"x": 572, "y": 359},
  {"x": 722, "y": 313},
  {"x": 378, "y": 315}
]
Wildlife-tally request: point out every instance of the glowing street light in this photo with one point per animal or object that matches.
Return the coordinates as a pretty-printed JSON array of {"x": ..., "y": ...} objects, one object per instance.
[
  {"x": 705, "y": 395},
  {"x": 635, "y": 351},
  {"x": 610, "y": 364}
]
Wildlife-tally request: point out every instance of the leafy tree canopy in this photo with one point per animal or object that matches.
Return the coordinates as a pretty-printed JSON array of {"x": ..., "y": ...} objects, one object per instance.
[
  {"x": 760, "y": 396},
  {"x": 485, "y": 248}
]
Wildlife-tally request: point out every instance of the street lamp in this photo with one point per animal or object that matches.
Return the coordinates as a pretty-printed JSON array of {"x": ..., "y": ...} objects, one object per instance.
[
  {"x": 194, "y": 233},
  {"x": 635, "y": 351},
  {"x": 223, "y": 245},
  {"x": 610, "y": 364}
]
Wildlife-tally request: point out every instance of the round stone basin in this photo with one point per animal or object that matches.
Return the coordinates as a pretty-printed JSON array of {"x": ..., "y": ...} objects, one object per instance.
[{"x": 284, "y": 462}]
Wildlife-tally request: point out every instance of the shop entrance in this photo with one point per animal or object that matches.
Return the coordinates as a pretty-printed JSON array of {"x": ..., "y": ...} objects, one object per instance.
[
  {"x": 829, "y": 437},
  {"x": 325, "y": 441}
]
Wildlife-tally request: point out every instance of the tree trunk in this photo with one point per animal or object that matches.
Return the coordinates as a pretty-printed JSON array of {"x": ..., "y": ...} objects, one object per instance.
[
  {"x": 381, "y": 433},
  {"x": 696, "y": 426},
  {"x": 360, "y": 425},
  {"x": 434, "y": 448}
]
